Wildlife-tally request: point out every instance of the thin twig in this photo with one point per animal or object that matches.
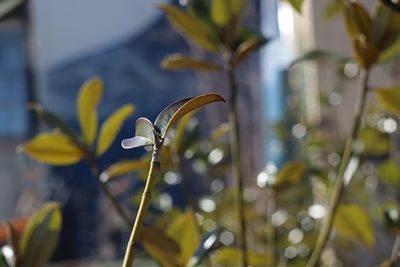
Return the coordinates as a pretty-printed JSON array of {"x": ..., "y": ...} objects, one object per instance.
[{"x": 338, "y": 186}]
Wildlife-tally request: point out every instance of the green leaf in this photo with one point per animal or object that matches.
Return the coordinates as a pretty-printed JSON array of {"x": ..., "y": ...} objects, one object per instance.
[
  {"x": 52, "y": 120},
  {"x": 7, "y": 7},
  {"x": 160, "y": 246},
  {"x": 111, "y": 127},
  {"x": 183, "y": 230},
  {"x": 333, "y": 9},
  {"x": 390, "y": 52},
  {"x": 389, "y": 98},
  {"x": 358, "y": 21},
  {"x": 386, "y": 27},
  {"x": 231, "y": 257},
  {"x": 137, "y": 141},
  {"x": 237, "y": 7},
  {"x": 144, "y": 128},
  {"x": 52, "y": 148},
  {"x": 389, "y": 173},
  {"x": 41, "y": 236},
  {"x": 290, "y": 174},
  {"x": 220, "y": 12},
  {"x": 247, "y": 47},
  {"x": 122, "y": 168},
  {"x": 296, "y": 4},
  {"x": 181, "y": 62},
  {"x": 199, "y": 8},
  {"x": 352, "y": 221},
  {"x": 177, "y": 110},
  {"x": 186, "y": 133},
  {"x": 321, "y": 55},
  {"x": 188, "y": 27},
  {"x": 89, "y": 97}
]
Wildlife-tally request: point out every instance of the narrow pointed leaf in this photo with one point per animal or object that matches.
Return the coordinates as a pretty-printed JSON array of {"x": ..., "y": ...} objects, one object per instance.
[
  {"x": 188, "y": 27},
  {"x": 122, "y": 168},
  {"x": 52, "y": 148},
  {"x": 390, "y": 52},
  {"x": 111, "y": 127},
  {"x": 160, "y": 246},
  {"x": 248, "y": 47},
  {"x": 321, "y": 55},
  {"x": 389, "y": 98},
  {"x": 52, "y": 120},
  {"x": 41, "y": 236},
  {"x": 358, "y": 21},
  {"x": 220, "y": 12},
  {"x": 136, "y": 141},
  {"x": 352, "y": 221},
  {"x": 177, "y": 110},
  {"x": 89, "y": 97},
  {"x": 181, "y": 62},
  {"x": 290, "y": 174}
]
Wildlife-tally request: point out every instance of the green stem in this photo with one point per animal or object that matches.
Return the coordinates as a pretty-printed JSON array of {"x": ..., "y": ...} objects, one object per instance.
[
  {"x": 235, "y": 154},
  {"x": 339, "y": 182},
  {"x": 106, "y": 191},
  {"x": 271, "y": 205},
  {"x": 144, "y": 204}
]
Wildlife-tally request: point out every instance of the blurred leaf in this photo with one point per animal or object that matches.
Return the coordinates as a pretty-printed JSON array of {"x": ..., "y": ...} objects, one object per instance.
[
  {"x": 389, "y": 173},
  {"x": 122, "y": 168},
  {"x": 187, "y": 26},
  {"x": 392, "y": 4},
  {"x": 333, "y": 9},
  {"x": 321, "y": 55},
  {"x": 220, "y": 12},
  {"x": 248, "y": 47},
  {"x": 206, "y": 245},
  {"x": 352, "y": 221},
  {"x": 52, "y": 148},
  {"x": 231, "y": 257},
  {"x": 177, "y": 110},
  {"x": 199, "y": 8},
  {"x": 137, "y": 141},
  {"x": 296, "y": 4},
  {"x": 364, "y": 53},
  {"x": 237, "y": 6},
  {"x": 392, "y": 219},
  {"x": 111, "y": 127},
  {"x": 52, "y": 120},
  {"x": 160, "y": 247},
  {"x": 375, "y": 143},
  {"x": 181, "y": 62},
  {"x": 41, "y": 236},
  {"x": 144, "y": 128},
  {"x": 183, "y": 229},
  {"x": 389, "y": 98},
  {"x": 8, "y": 6},
  {"x": 290, "y": 174},
  {"x": 89, "y": 97},
  {"x": 358, "y": 21},
  {"x": 390, "y": 52},
  {"x": 219, "y": 132},
  {"x": 180, "y": 140}
]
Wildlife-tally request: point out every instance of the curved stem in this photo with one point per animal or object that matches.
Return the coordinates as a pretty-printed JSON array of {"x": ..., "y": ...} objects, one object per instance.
[
  {"x": 339, "y": 182},
  {"x": 144, "y": 205},
  {"x": 235, "y": 154}
]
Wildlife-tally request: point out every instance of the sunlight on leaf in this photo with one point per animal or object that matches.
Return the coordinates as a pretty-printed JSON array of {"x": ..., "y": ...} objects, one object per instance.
[
  {"x": 187, "y": 26},
  {"x": 124, "y": 167},
  {"x": 41, "y": 235},
  {"x": 137, "y": 141},
  {"x": 181, "y": 62},
  {"x": 89, "y": 97},
  {"x": 352, "y": 221},
  {"x": 177, "y": 110},
  {"x": 389, "y": 98},
  {"x": 52, "y": 148},
  {"x": 144, "y": 128},
  {"x": 111, "y": 127},
  {"x": 247, "y": 47}
]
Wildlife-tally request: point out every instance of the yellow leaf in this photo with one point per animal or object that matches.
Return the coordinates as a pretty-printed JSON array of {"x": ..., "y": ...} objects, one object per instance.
[
  {"x": 290, "y": 174},
  {"x": 124, "y": 167},
  {"x": 389, "y": 98},
  {"x": 89, "y": 97},
  {"x": 181, "y": 62},
  {"x": 231, "y": 257},
  {"x": 52, "y": 148},
  {"x": 184, "y": 231},
  {"x": 160, "y": 247},
  {"x": 352, "y": 221},
  {"x": 358, "y": 21},
  {"x": 111, "y": 127},
  {"x": 248, "y": 47},
  {"x": 220, "y": 12}
]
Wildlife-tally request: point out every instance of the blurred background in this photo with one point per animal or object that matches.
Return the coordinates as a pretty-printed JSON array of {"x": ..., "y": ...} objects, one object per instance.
[{"x": 49, "y": 48}]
